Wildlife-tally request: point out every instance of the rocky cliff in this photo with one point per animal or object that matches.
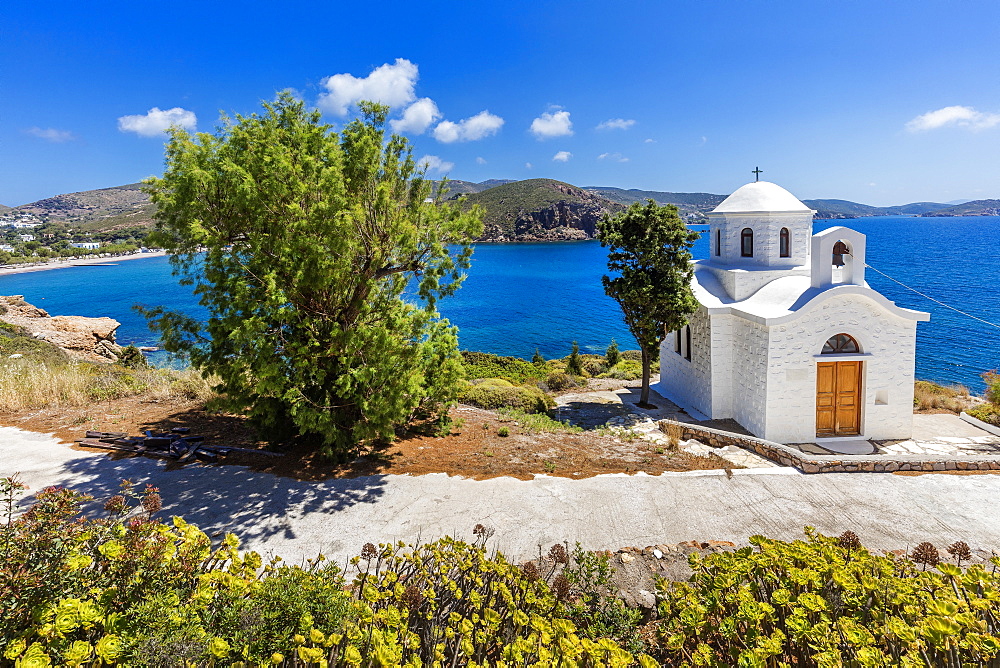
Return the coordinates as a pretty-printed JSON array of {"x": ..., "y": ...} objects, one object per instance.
[
  {"x": 87, "y": 339},
  {"x": 540, "y": 210}
]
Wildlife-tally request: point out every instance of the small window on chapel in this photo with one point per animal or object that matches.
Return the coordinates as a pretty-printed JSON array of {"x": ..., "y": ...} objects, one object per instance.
[
  {"x": 687, "y": 343},
  {"x": 746, "y": 242},
  {"x": 784, "y": 245},
  {"x": 718, "y": 243},
  {"x": 839, "y": 344}
]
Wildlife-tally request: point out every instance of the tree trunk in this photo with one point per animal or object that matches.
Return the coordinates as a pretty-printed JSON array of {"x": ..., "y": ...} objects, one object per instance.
[{"x": 644, "y": 396}]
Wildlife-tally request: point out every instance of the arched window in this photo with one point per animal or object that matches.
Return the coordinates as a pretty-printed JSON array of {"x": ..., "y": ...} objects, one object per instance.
[
  {"x": 784, "y": 243},
  {"x": 841, "y": 343},
  {"x": 718, "y": 242},
  {"x": 746, "y": 242}
]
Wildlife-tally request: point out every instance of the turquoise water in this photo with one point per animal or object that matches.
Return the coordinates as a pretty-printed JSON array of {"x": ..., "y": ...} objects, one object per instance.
[{"x": 519, "y": 297}]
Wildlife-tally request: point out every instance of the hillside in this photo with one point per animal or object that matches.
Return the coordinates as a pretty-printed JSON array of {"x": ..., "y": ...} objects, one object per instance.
[
  {"x": 457, "y": 188},
  {"x": 96, "y": 210},
  {"x": 540, "y": 210},
  {"x": 979, "y": 207}
]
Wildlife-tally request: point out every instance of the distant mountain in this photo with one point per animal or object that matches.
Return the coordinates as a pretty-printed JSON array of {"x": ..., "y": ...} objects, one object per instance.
[
  {"x": 692, "y": 205},
  {"x": 540, "y": 210},
  {"x": 979, "y": 207},
  {"x": 456, "y": 188},
  {"x": 839, "y": 208},
  {"x": 103, "y": 209}
]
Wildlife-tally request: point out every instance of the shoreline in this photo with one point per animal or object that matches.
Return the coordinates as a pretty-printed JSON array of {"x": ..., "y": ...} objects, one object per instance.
[{"x": 64, "y": 264}]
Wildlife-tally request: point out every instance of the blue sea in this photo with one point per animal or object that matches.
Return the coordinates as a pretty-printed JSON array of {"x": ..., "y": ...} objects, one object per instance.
[{"x": 519, "y": 297}]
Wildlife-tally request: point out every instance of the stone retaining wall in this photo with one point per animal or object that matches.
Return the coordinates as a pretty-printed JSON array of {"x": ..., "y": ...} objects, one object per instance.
[{"x": 809, "y": 463}]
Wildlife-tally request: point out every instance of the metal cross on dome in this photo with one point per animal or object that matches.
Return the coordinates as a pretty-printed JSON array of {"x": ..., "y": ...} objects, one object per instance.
[{"x": 757, "y": 173}]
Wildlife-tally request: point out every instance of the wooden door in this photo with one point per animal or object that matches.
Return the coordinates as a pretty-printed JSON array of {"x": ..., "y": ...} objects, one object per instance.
[{"x": 838, "y": 399}]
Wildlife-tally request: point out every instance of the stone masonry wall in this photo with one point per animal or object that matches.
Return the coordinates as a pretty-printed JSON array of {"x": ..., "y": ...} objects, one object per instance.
[{"x": 807, "y": 463}]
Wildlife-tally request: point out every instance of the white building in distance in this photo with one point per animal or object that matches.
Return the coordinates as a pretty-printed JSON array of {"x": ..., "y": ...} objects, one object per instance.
[
  {"x": 89, "y": 245},
  {"x": 789, "y": 340}
]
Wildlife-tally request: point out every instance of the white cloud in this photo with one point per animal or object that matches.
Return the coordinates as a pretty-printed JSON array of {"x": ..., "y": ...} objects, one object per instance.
[
  {"x": 475, "y": 127},
  {"x": 156, "y": 121},
  {"x": 480, "y": 161},
  {"x": 963, "y": 117},
  {"x": 51, "y": 134},
  {"x": 552, "y": 124},
  {"x": 387, "y": 84},
  {"x": 417, "y": 118},
  {"x": 650, "y": 141},
  {"x": 434, "y": 164},
  {"x": 528, "y": 165},
  {"x": 616, "y": 157},
  {"x": 562, "y": 156},
  {"x": 616, "y": 124}
]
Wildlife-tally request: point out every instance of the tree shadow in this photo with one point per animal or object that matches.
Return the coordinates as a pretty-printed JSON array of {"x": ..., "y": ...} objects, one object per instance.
[{"x": 254, "y": 505}]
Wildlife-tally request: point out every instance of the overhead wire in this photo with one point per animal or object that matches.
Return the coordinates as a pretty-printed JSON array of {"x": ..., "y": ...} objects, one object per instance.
[{"x": 936, "y": 301}]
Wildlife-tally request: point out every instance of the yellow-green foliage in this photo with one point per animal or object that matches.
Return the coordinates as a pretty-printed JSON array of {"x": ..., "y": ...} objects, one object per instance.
[
  {"x": 493, "y": 395},
  {"x": 626, "y": 369},
  {"x": 987, "y": 412},
  {"x": 828, "y": 602},
  {"x": 132, "y": 592},
  {"x": 512, "y": 369}
]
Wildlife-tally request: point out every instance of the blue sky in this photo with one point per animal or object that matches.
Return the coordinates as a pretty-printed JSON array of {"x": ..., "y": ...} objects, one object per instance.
[{"x": 876, "y": 102}]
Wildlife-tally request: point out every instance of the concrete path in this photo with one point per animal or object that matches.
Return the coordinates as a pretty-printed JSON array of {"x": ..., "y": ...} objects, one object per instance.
[{"x": 298, "y": 519}]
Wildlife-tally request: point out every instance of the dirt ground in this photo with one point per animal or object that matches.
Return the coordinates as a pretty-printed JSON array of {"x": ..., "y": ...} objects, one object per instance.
[{"x": 473, "y": 450}]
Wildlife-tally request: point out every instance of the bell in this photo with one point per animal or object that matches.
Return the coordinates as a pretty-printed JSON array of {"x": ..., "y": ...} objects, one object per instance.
[{"x": 840, "y": 249}]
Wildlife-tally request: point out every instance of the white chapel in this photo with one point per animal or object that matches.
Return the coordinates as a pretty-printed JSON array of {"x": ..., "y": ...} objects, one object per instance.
[{"x": 789, "y": 340}]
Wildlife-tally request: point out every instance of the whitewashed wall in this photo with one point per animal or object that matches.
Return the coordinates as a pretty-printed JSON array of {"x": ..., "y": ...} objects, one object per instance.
[
  {"x": 766, "y": 236},
  {"x": 689, "y": 383},
  {"x": 743, "y": 283},
  {"x": 889, "y": 344},
  {"x": 750, "y": 375}
]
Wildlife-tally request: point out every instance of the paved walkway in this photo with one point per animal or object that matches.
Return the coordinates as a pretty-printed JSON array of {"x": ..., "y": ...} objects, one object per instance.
[{"x": 298, "y": 519}]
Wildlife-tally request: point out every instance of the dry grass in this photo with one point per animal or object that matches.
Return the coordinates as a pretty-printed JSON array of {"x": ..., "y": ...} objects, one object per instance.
[
  {"x": 931, "y": 396},
  {"x": 675, "y": 432},
  {"x": 27, "y": 383}
]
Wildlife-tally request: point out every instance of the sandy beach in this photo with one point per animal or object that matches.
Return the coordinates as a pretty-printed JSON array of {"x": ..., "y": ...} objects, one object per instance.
[{"x": 62, "y": 264}]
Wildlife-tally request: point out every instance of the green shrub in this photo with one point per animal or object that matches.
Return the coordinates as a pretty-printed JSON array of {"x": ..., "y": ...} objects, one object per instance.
[
  {"x": 633, "y": 355},
  {"x": 558, "y": 381},
  {"x": 574, "y": 364},
  {"x": 537, "y": 358},
  {"x": 16, "y": 341},
  {"x": 132, "y": 357},
  {"x": 625, "y": 370},
  {"x": 503, "y": 432},
  {"x": 528, "y": 399},
  {"x": 538, "y": 422},
  {"x": 988, "y": 413},
  {"x": 596, "y": 608},
  {"x": 828, "y": 602},
  {"x": 612, "y": 355},
  {"x": 593, "y": 365},
  {"x": 992, "y": 380},
  {"x": 494, "y": 382},
  {"x": 512, "y": 369}
]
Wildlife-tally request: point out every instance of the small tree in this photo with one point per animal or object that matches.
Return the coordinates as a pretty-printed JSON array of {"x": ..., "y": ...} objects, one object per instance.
[
  {"x": 612, "y": 355},
  {"x": 537, "y": 358},
  {"x": 300, "y": 243},
  {"x": 574, "y": 365},
  {"x": 651, "y": 260}
]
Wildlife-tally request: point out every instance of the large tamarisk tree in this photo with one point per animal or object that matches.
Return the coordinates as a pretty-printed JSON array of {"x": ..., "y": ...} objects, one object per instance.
[
  {"x": 320, "y": 265},
  {"x": 650, "y": 255}
]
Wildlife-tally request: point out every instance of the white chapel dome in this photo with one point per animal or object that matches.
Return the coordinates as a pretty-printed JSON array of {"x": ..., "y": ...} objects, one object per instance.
[{"x": 762, "y": 196}]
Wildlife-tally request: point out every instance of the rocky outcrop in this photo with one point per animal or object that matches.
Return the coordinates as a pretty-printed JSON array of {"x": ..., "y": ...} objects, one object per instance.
[
  {"x": 87, "y": 339},
  {"x": 553, "y": 211}
]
